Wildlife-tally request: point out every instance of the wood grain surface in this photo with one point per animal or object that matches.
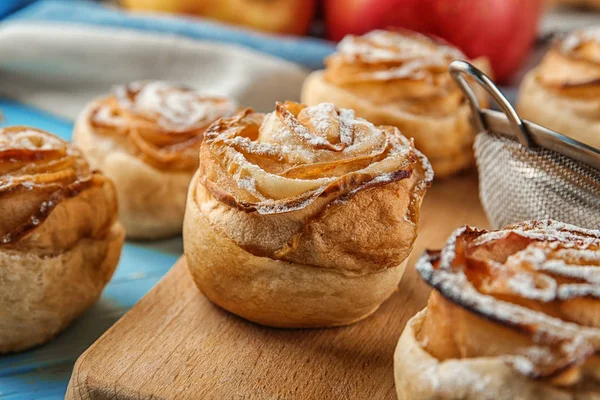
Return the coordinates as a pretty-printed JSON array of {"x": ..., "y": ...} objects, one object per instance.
[{"x": 175, "y": 344}]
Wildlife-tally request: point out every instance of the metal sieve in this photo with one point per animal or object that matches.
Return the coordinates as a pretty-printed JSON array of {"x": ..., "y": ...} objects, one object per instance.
[{"x": 528, "y": 172}]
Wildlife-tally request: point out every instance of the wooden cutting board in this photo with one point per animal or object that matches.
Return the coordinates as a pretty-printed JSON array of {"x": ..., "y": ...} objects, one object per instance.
[{"x": 175, "y": 344}]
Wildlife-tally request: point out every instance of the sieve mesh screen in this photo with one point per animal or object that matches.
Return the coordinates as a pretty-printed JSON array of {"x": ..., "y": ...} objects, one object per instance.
[{"x": 517, "y": 183}]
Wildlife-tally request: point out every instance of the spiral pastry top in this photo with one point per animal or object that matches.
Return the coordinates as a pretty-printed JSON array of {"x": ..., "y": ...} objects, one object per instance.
[
  {"x": 563, "y": 92},
  {"x": 531, "y": 295},
  {"x": 160, "y": 122},
  {"x": 37, "y": 172},
  {"x": 290, "y": 169},
  {"x": 401, "y": 79},
  {"x": 572, "y": 66},
  {"x": 399, "y": 67}
]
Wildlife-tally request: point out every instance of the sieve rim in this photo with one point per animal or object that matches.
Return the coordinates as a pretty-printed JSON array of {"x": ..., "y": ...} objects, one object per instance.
[
  {"x": 496, "y": 122},
  {"x": 509, "y": 124}
]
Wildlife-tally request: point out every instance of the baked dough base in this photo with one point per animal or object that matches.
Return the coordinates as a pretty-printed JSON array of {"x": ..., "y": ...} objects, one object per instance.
[
  {"x": 541, "y": 106},
  {"x": 446, "y": 141},
  {"x": 151, "y": 201},
  {"x": 272, "y": 292},
  {"x": 41, "y": 295},
  {"x": 418, "y": 375}
]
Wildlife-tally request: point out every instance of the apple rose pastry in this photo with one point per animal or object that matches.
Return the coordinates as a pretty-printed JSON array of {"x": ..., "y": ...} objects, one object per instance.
[
  {"x": 563, "y": 92},
  {"x": 303, "y": 217},
  {"x": 514, "y": 314},
  {"x": 402, "y": 79},
  {"x": 60, "y": 240},
  {"x": 145, "y": 137}
]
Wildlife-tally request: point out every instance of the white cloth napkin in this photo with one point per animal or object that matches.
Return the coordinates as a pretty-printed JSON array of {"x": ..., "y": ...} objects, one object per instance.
[{"x": 59, "y": 68}]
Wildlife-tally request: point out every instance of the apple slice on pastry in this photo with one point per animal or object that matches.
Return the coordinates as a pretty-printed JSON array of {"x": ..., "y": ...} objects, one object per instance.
[{"x": 514, "y": 313}]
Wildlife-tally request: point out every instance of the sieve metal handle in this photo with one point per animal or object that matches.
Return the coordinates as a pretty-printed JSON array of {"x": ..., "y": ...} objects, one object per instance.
[{"x": 458, "y": 70}]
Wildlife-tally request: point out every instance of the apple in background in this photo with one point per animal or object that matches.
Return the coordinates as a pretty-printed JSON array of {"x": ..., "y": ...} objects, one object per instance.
[
  {"x": 169, "y": 6},
  {"x": 274, "y": 16},
  {"x": 502, "y": 30}
]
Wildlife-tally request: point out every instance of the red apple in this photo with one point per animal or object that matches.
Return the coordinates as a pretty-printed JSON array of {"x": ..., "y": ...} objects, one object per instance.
[
  {"x": 502, "y": 30},
  {"x": 275, "y": 16}
]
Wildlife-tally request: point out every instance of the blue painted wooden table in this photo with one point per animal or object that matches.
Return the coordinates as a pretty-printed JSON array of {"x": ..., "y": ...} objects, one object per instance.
[{"x": 43, "y": 373}]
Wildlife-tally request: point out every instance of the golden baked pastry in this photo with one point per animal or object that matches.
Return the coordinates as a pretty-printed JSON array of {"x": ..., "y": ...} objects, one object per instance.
[
  {"x": 563, "y": 92},
  {"x": 303, "y": 217},
  {"x": 60, "y": 241},
  {"x": 402, "y": 79},
  {"x": 145, "y": 137},
  {"x": 514, "y": 314}
]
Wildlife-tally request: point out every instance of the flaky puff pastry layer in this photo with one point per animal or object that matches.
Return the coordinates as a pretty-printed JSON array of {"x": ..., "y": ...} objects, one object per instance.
[
  {"x": 563, "y": 92},
  {"x": 514, "y": 313},
  {"x": 60, "y": 241},
  {"x": 303, "y": 217},
  {"x": 401, "y": 79},
  {"x": 145, "y": 137}
]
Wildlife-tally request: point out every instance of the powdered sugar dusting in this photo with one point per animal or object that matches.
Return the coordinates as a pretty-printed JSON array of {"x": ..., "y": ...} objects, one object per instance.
[
  {"x": 29, "y": 139},
  {"x": 378, "y": 45},
  {"x": 577, "y": 38},
  {"x": 574, "y": 255},
  {"x": 347, "y": 126},
  {"x": 303, "y": 132},
  {"x": 579, "y": 254},
  {"x": 575, "y": 290},
  {"x": 531, "y": 358},
  {"x": 542, "y": 288},
  {"x": 583, "y": 272},
  {"x": 302, "y": 153},
  {"x": 249, "y": 146},
  {"x": 320, "y": 116},
  {"x": 105, "y": 116},
  {"x": 536, "y": 272},
  {"x": 406, "y": 55},
  {"x": 550, "y": 231},
  {"x": 178, "y": 108}
]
